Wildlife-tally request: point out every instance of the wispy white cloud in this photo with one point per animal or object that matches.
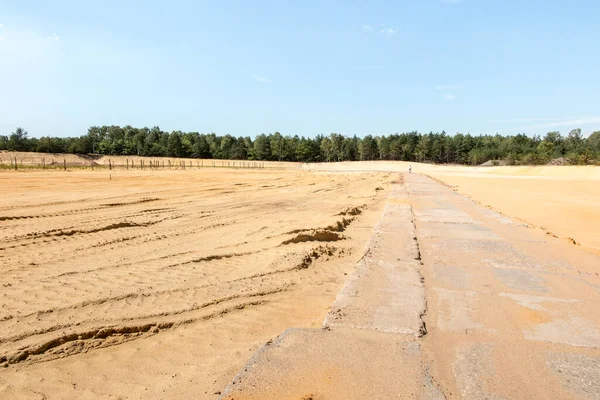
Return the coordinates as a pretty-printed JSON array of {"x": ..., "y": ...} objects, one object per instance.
[
  {"x": 1, "y": 25},
  {"x": 388, "y": 31},
  {"x": 382, "y": 30},
  {"x": 257, "y": 77},
  {"x": 342, "y": 117},
  {"x": 366, "y": 68},
  {"x": 527, "y": 120},
  {"x": 522, "y": 120},
  {"x": 561, "y": 123},
  {"x": 449, "y": 96},
  {"x": 26, "y": 52},
  {"x": 1, "y": 37},
  {"x": 443, "y": 88},
  {"x": 449, "y": 88},
  {"x": 28, "y": 44}
]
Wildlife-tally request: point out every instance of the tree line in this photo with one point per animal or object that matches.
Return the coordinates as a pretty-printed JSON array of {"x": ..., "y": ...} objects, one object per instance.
[{"x": 430, "y": 147}]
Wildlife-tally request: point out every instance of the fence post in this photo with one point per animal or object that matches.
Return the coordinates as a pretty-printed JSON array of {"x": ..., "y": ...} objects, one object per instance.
[
  {"x": 65, "y": 164},
  {"x": 109, "y": 165},
  {"x": 92, "y": 164},
  {"x": 128, "y": 164},
  {"x": 43, "y": 163},
  {"x": 15, "y": 163}
]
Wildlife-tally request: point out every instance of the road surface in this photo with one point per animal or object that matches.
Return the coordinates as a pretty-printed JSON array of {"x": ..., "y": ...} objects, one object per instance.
[{"x": 451, "y": 300}]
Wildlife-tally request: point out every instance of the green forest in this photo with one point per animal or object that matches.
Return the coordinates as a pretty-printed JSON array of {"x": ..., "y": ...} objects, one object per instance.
[{"x": 430, "y": 147}]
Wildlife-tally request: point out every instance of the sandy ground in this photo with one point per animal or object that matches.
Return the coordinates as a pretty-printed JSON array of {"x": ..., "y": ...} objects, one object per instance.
[
  {"x": 162, "y": 284},
  {"x": 564, "y": 201},
  {"x": 452, "y": 301}
]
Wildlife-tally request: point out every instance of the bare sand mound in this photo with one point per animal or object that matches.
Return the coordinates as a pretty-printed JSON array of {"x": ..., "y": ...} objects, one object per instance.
[
  {"x": 7, "y": 158},
  {"x": 493, "y": 163},
  {"x": 559, "y": 161}
]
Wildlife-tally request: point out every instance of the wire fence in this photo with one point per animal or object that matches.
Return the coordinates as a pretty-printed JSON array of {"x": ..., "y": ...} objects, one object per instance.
[{"x": 16, "y": 163}]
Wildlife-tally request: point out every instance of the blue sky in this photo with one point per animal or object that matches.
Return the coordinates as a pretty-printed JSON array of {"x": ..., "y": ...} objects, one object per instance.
[{"x": 300, "y": 67}]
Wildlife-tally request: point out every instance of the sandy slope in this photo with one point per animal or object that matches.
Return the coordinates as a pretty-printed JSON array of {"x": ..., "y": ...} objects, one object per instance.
[
  {"x": 57, "y": 160},
  {"x": 565, "y": 201},
  {"x": 161, "y": 283}
]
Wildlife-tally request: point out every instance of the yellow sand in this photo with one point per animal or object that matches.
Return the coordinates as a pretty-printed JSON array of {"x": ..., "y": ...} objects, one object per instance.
[
  {"x": 161, "y": 284},
  {"x": 565, "y": 201}
]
